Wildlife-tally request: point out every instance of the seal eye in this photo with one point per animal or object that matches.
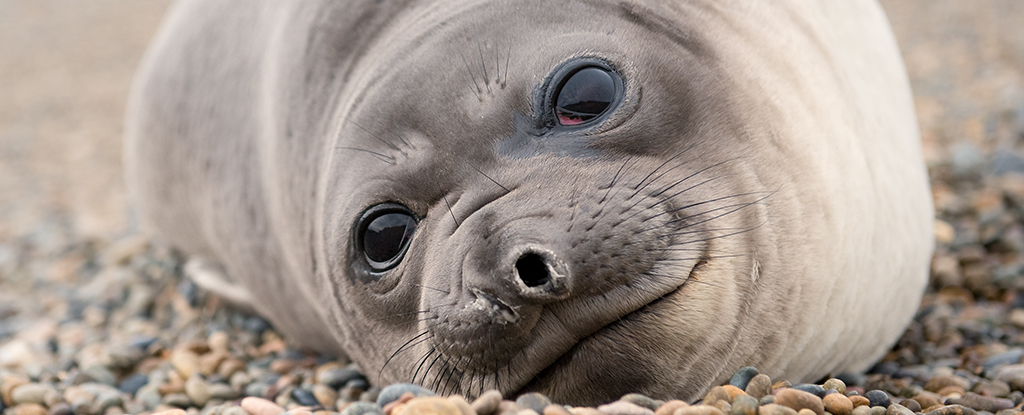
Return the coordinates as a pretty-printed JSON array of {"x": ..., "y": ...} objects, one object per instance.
[
  {"x": 584, "y": 95},
  {"x": 385, "y": 232}
]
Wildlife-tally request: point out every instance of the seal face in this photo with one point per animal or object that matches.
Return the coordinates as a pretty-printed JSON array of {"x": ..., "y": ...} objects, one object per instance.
[{"x": 582, "y": 198}]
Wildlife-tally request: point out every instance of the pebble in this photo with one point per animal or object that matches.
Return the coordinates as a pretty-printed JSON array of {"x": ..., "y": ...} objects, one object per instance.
[
  {"x": 798, "y": 399},
  {"x": 429, "y": 405},
  {"x": 465, "y": 409},
  {"x": 811, "y": 388},
  {"x": 837, "y": 404},
  {"x": 927, "y": 399},
  {"x": 260, "y": 406},
  {"x": 953, "y": 410},
  {"x": 670, "y": 407},
  {"x": 912, "y": 405},
  {"x": 31, "y": 393},
  {"x": 175, "y": 411},
  {"x": 197, "y": 390},
  {"x": 773, "y": 409},
  {"x": 937, "y": 383},
  {"x": 337, "y": 378},
  {"x": 362, "y": 408},
  {"x": 745, "y": 405},
  {"x": 534, "y": 401},
  {"x": 393, "y": 392},
  {"x": 897, "y": 409},
  {"x": 179, "y": 400},
  {"x": 759, "y": 386},
  {"x": 878, "y": 398},
  {"x": 700, "y": 410},
  {"x": 60, "y": 408},
  {"x": 861, "y": 410},
  {"x": 742, "y": 377},
  {"x": 714, "y": 395},
  {"x": 8, "y": 385},
  {"x": 487, "y": 402},
  {"x": 185, "y": 362},
  {"x": 642, "y": 400},
  {"x": 552, "y": 409},
  {"x": 996, "y": 388},
  {"x": 324, "y": 395},
  {"x": 621, "y": 408},
  {"x": 985, "y": 403},
  {"x": 837, "y": 384},
  {"x": 133, "y": 383},
  {"x": 29, "y": 409}
]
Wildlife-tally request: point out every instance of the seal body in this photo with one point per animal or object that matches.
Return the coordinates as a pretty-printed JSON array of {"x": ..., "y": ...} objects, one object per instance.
[{"x": 437, "y": 191}]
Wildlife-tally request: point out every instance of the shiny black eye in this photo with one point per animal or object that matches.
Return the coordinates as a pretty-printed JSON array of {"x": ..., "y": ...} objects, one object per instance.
[
  {"x": 384, "y": 234},
  {"x": 585, "y": 95}
]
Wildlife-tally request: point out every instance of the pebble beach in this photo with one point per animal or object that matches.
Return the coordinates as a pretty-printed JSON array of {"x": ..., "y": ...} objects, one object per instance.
[{"x": 98, "y": 319}]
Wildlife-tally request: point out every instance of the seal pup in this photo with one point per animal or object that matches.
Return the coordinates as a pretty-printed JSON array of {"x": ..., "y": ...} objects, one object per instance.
[{"x": 580, "y": 198}]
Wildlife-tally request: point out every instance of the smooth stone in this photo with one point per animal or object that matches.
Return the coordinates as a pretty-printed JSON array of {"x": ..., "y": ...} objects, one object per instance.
[
  {"x": 149, "y": 395},
  {"x": 744, "y": 405},
  {"x": 1016, "y": 396},
  {"x": 8, "y": 385},
  {"x": 324, "y": 395},
  {"x": 31, "y": 393},
  {"x": 670, "y": 407},
  {"x": 234, "y": 410},
  {"x": 878, "y": 398},
  {"x": 429, "y": 405},
  {"x": 878, "y": 410},
  {"x": 487, "y": 403},
  {"x": 773, "y": 409},
  {"x": 985, "y": 403},
  {"x": 337, "y": 378},
  {"x": 953, "y": 410},
  {"x": 394, "y": 391},
  {"x": 837, "y": 404},
  {"x": 101, "y": 374},
  {"x": 260, "y": 406},
  {"x": 859, "y": 400},
  {"x": 59, "y": 409},
  {"x": 620, "y": 408},
  {"x": 995, "y": 388},
  {"x": 197, "y": 389},
  {"x": 861, "y": 410},
  {"x": 29, "y": 409},
  {"x": 805, "y": 411},
  {"x": 798, "y": 399},
  {"x": 835, "y": 383},
  {"x": 534, "y": 401},
  {"x": 133, "y": 383},
  {"x": 714, "y": 395},
  {"x": 185, "y": 362},
  {"x": 223, "y": 392},
  {"x": 175, "y": 411},
  {"x": 897, "y": 409},
  {"x": 575, "y": 411},
  {"x": 759, "y": 386},
  {"x": 304, "y": 397},
  {"x": 698, "y": 410},
  {"x": 952, "y": 391},
  {"x": 218, "y": 341},
  {"x": 552, "y": 409},
  {"x": 642, "y": 400},
  {"x": 733, "y": 391},
  {"x": 460, "y": 402},
  {"x": 179, "y": 400},
  {"x": 767, "y": 399},
  {"x": 362, "y": 408},
  {"x": 811, "y": 388},
  {"x": 742, "y": 377},
  {"x": 939, "y": 382}
]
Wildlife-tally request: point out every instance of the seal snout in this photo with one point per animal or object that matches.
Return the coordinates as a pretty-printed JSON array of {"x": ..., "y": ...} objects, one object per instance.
[{"x": 542, "y": 276}]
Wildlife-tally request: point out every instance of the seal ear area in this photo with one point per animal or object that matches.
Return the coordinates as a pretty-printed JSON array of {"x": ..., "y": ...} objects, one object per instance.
[
  {"x": 579, "y": 94},
  {"x": 382, "y": 236}
]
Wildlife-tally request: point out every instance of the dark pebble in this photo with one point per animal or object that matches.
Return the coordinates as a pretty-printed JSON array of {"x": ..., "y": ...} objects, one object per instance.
[
  {"x": 304, "y": 397},
  {"x": 830, "y": 391},
  {"x": 883, "y": 368},
  {"x": 811, "y": 388},
  {"x": 2, "y": 406},
  {"x": 360, "y": 384},
  {"x": 362, "y": 408},
  {"x": 143, "y": 343},
  {"x": 852, "y": 378},
  {"x": 255, "y": 325},
  {"x": 393, "y": 392},
  {"x": 912, "y": 405},
  {"x": 1016, "y": 396},
  {"x": 878, "y": 398},
  {"x": 338, "y": 378},
  {"x": 985, "y": 403},
  {"x": 534, "y": 401},
  {"x": 953, "y": 410},
  {"x": 766, "y": 400},
  {"x": 133, "y": 383},
  {"x": 742, "y": 377}
]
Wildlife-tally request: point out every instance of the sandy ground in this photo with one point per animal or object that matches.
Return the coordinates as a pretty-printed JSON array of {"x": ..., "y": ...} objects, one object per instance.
[{"x": 66, "y": 66}]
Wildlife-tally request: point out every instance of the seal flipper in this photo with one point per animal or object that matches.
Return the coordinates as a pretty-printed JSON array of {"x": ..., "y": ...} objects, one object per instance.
[{"x": 211, "y": 276}]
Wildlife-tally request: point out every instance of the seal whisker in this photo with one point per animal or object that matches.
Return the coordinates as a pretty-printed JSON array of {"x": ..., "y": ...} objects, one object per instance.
[
  {"x": 422, "y": 361},
  {"x": 721, "y": 236},
  {"x": 399, "y": 315},
  {"x": 641, "y": 186},
  {"x": 430, "y": 288},
  {"x": 487, "y": 82},
  {"x": 507, "y": 191},
  {"x": 692, "y": 205},
  {"x": 508, "y": 57},
  {"x": 471, "y": 76},
  {"x": 450, "y": 211},
  {"x": 382, "y": 157},
  {"x": 740, "y": 206},
  {"x": 379, "y": 138},
  {"x": 662, "y": 191},
  {"x": 399, "y": 350}
]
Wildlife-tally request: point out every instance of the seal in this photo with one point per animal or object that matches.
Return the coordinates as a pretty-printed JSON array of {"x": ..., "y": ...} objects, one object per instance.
[{"x": 582, "y": 198}]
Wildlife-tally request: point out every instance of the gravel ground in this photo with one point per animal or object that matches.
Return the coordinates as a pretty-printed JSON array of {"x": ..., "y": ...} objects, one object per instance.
[{"x": 97, "y": 320}]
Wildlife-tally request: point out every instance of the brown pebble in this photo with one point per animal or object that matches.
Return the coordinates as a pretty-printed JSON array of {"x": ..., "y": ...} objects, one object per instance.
[
  {"x": 861, "y": 410},
  {"x": 29, "y": 409},
  {"x": 985, "y": 403},
  {"x": 554, "y": 409},
  {"x": 324, "y": 412},
  {"x": 859, "y": 400},
  {"x": 952, "y": 390},
  {"x": 733, "y": 391},
  {"x": 398, "y": 405},
  {"x": 185, "y": 362},
  {"x": 487, "y": 403},
  {"x": 928, "y": 399},
  {"x": 624, "y": 408},
  {"x": 744, "y": 405},
  {"x": 836, "y": 384},
  {"x": 897, "y": 409},
  {"x": 716, "y": 394},
  {"x": 911, "y": 405},
  {"x": 938, "y": 382},
  {"x": 759, "y": 386},
  {"x": 209, "y": 362},
  {"x": 260, "y": 406},
  {"x": 218, "y": 342},
  {"x": 798, "y": 399},
  {"x": 324, "y": 395},
  {"x": 805, "y": 411},
  {"x": 175, "y": 411},
  {"x": 669, "y": 408},
  {"x": 582, "y": 410},
  {"x": 229, "y": 367},
  {"x": 460, "y": 402},
  {"x": 698, "y": 410},
  {"x": 282, "y": 366},
  {"x": 773, "y": 409},
  {"x": 781, "y": 384},
  {"x": 953, "y": 410},
  {"x": 9, "y": 383},
  {"x": 837, "y": 403}
]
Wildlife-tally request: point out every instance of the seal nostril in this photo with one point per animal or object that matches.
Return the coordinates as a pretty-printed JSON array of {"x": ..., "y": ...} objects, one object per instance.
[{"x": 533, "y": 270}]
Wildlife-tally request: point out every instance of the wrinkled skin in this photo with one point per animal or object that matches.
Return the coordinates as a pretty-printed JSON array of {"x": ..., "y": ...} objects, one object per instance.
[{"x": 757, "y": 197}]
